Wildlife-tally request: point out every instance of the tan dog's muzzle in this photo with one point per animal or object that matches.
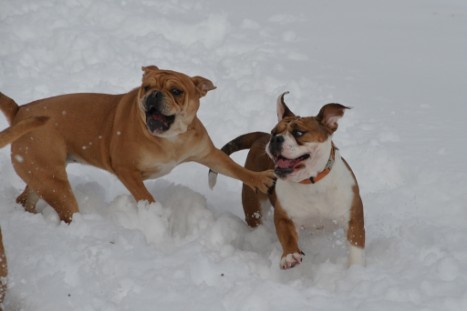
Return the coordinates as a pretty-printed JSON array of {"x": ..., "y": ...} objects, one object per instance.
[{"x": 158, "y": 118}]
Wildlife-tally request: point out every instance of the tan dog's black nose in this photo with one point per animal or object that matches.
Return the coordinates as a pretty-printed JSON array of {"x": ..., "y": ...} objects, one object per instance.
[{"x": 154, "y": 100}]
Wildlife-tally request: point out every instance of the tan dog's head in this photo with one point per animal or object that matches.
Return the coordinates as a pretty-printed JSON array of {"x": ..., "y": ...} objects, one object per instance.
[
  {"x": 169, "y": 100},
  {"x": 298, "y": 146}
]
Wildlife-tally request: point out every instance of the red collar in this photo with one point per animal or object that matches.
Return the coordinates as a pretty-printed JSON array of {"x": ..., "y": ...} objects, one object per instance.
[{"x": 325, "y": 172}]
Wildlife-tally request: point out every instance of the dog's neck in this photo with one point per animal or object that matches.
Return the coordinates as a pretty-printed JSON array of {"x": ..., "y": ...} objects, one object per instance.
[{"x": 319, "y": 175}]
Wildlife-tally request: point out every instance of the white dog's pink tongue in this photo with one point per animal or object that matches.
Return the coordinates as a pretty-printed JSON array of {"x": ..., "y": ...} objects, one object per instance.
[{"x": 285, "y": 163}]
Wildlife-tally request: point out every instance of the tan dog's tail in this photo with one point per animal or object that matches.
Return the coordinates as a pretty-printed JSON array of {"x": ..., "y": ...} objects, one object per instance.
[
  {"x": 22, "y": 127},
  {"x": 8, "y": 106},
  {"x": 242, "y": 142}
]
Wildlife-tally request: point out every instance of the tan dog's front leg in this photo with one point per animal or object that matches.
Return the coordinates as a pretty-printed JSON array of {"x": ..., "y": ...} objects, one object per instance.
[
  {"x": 288, "y": 237},
  {"x": 220, "y": 162},
  {"x": 134, "y": 183}
]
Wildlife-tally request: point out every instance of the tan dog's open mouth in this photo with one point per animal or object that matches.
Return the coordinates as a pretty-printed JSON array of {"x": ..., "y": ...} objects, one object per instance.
[
  {"x": 156, "y": 120},
  {"x": 285, "y": 166}
]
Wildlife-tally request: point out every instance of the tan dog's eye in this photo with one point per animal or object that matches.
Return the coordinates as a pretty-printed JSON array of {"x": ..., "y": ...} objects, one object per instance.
[
  {"x": 146, "y": 88},
  {"x": 176, "y": 92}
]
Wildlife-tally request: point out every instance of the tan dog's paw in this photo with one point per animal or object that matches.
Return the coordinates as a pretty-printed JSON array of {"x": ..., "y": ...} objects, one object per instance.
[
  {"x": 264, "y": 181},
  {"x": 291, "y": 260}
]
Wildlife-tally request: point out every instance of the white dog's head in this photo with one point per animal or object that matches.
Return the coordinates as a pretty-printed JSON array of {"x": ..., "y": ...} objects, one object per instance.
[{"x": 300, "y": 147}]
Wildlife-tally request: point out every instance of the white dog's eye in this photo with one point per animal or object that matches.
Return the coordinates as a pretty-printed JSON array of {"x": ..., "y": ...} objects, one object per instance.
[{"x": 297, "y": 133}]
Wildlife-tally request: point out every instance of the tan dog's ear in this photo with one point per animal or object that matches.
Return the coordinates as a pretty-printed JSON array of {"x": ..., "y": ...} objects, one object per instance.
[
  {"x": 203, "y": 85},
  {"x": 329, "y": 115},
  {"x": 282, "y": 109},
  {"x": 146, "y": 69}
]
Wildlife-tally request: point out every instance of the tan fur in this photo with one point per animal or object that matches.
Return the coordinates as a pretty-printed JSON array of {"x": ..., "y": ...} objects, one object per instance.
[
  {"x": 109, "y": 132},
  {"x": 24, "y": 126}
]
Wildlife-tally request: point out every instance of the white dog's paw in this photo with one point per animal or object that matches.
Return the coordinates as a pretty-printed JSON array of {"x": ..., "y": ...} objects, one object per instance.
[{"x": 291, "y": 260}]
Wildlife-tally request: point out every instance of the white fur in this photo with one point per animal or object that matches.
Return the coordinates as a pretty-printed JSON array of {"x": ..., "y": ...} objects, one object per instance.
[
  {"x": 323, "y": 203},
  {"x": 356, "y": 255},
  {"x": 319, "y": 155},
  {"x": 290, "y": 260}
]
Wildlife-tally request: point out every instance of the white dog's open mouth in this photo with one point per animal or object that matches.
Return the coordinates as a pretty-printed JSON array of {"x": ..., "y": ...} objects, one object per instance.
[{"x": 284, "y": 166}]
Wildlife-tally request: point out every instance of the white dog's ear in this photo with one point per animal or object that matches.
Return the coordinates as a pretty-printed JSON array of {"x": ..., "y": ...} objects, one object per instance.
[
  {"x": 203, "y": 85},
  {"x": 329, "y": 115},
  {"x": 282, "y": 109}
]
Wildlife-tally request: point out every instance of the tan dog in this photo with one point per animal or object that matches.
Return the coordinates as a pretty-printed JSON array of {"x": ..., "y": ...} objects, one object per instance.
[
  {"x": 7, "y": 136},
  {"x": 138, "y": 135},
  {"x": 316, "y": 187}
]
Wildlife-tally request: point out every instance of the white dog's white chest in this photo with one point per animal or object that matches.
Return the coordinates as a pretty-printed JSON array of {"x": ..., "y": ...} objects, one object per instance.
[{"x": 315, "y": 205}]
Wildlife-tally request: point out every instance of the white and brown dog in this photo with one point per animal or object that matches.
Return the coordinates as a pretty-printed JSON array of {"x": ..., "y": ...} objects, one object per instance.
[
  {"x": 316, "y": 187},
  {"x": 138, "y": 135}
]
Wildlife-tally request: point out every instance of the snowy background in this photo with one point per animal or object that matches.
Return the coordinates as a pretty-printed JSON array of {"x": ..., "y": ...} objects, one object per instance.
[{"x": 400, "y": 64}]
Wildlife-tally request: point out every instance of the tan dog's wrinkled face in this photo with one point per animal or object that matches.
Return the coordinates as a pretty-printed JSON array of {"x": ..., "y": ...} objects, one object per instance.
[
  {"x": 297, "y": 143},
  {"x": 169, "y": 100}
]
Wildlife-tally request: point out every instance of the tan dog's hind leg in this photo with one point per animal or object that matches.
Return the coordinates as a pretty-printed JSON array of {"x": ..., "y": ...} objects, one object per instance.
[
  {"x": 45, "y": 176},
  {"x": 288, "y": 237},
  {"x": 28, "y": 199},
  {"x": 56, "y": 191}
]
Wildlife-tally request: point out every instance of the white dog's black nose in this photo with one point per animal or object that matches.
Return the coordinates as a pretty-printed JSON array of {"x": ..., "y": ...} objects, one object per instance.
[{"x": 275, "y": 145}]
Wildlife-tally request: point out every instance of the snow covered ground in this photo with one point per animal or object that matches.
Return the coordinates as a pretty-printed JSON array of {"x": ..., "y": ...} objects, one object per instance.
[{"x": 400, "y": 64}]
